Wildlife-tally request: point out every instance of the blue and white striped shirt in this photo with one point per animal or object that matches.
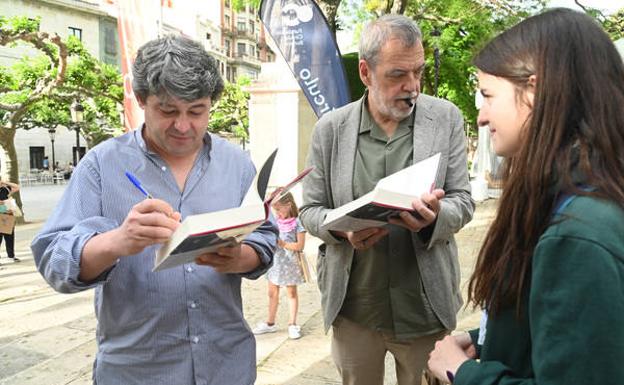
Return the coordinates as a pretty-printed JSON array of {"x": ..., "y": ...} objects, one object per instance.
[{"x": 183, "y": 325}]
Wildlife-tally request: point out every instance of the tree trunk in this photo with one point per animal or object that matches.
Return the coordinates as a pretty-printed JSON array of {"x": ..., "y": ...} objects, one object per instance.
[
  {"x": 399, "y": 6},
  {"x": 330, "y": 10},
  {"x": 7, "y": 137}
]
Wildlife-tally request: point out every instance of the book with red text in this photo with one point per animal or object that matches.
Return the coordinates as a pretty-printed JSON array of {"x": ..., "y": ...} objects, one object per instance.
[{"x": 205, "y": 233}]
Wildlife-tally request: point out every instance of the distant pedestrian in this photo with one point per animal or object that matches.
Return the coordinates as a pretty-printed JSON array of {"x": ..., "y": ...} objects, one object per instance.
[
  {"x": 550, "y": 273},
  {"x": 6, "y": 190},
  {"x": 46, "y": 163},
  {"x": 286, "y": 269}
]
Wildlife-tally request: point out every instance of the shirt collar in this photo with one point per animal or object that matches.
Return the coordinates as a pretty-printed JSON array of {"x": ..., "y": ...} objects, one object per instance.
[{"x": 138, "y": 137}]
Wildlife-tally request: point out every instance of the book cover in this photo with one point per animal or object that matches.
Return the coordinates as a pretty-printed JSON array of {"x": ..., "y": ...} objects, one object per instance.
[
  {"x": 390, "y": 196},
  {"x": 205, "y": 233}
]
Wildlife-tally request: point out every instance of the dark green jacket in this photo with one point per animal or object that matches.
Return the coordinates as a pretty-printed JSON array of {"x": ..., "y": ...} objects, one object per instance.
[{"x": 573, "y": 331}]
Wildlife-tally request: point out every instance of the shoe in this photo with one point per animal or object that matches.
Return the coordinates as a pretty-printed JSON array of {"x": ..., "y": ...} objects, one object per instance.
[
  {"x": 294, "y": 332},
  {"x": 263, "y": 328},
  {"x": 15, "y": 259}
]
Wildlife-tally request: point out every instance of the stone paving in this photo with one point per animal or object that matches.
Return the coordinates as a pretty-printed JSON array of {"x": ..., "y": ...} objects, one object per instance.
[{"x": 47, "y": 338}]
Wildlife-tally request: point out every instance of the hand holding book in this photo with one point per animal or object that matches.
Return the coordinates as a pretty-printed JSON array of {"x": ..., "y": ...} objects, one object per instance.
[
  {"x": 239, "y": 258},
  {"x": 425, "y": 212}
]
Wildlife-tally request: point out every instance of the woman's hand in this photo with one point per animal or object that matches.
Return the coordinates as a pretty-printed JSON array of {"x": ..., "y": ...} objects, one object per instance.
[{"x": 449, "y": 354}]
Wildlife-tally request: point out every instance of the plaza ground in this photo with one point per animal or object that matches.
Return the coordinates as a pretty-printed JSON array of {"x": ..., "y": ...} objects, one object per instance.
[{"x": 47, "y": 338}]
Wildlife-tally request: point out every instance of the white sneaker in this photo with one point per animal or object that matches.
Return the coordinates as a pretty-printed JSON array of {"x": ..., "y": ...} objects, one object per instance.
[
  {"x": 294, "y": 332},
  {"x": 263, "y": 327}
]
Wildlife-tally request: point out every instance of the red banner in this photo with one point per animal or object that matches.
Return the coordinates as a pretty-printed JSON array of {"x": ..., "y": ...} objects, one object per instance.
[{"x": 137, "y": 23}]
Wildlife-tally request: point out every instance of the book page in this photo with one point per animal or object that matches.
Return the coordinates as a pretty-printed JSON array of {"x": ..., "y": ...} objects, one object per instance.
[
  {"x": 258, "y": 187},
  {"x": 413, "y": 180}
]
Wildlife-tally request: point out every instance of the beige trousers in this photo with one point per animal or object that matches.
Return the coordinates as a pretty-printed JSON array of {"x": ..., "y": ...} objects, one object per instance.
[{"x": 359, "y": 354}]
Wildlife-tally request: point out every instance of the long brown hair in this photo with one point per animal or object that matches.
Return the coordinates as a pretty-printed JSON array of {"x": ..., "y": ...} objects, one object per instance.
[{"x": 576, "y": 127}]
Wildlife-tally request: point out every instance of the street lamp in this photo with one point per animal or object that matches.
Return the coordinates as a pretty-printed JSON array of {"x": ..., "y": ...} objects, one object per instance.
[
  {"x": 77, "y": 116},
  {"x": 52, "y": 133}
]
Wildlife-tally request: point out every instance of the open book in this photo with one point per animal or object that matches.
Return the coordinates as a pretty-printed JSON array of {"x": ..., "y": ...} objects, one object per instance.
[
  {"x": 205, "y": 233},
  {"x": 391, "y": 195}
]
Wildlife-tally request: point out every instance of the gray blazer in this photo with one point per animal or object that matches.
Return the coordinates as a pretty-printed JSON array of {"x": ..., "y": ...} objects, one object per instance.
[{"x": 438, "y": 127}]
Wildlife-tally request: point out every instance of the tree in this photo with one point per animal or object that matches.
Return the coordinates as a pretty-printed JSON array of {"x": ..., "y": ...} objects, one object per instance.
[
  {"x": 230, "y": 115},
  {"x": 613, "y": 24},
  {"x": 36, "y": 91}
]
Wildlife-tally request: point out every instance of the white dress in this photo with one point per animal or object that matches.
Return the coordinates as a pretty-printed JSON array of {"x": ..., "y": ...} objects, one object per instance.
[{"x": 286, "y": 270}]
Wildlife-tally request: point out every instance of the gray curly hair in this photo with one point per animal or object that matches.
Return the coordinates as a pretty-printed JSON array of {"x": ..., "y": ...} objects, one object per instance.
[{"x": 176, "y": 66}]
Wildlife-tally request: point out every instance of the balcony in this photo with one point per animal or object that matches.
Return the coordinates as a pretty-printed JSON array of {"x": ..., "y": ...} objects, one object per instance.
[
  {"x": 245, "y": 59},
  {"x": 241, "y": 33}
]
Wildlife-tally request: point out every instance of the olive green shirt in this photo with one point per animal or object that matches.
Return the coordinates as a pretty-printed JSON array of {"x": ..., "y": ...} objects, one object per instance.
[{"x": 385, "y": 291}]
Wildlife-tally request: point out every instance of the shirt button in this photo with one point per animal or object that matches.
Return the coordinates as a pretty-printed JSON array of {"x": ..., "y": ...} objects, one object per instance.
[
  {"x": 189, "y": 269},
  {"x": 193, "y": 305},
  {"x": 164, "y": 168},
  {"x": 195, "y": 339}
]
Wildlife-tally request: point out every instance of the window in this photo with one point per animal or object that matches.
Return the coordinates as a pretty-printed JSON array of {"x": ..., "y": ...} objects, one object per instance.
[
  {"x": 227, "y": 3},
  {"x": 73, "y": 31},
  {"x": 240, "y": 26},
  {"x": 110, "y": 43},
  {"x": 36, "y": 157},
  {"x": 227, "y": 21},
  {"x": 240, "y": 49},
  {"x": 228, "y": 48},
  {"x": 252, "y": 27},
  {"x": 208, "y": 35}
]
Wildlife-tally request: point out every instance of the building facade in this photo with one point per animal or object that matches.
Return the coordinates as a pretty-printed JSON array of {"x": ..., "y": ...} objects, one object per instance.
[
  {"x": 234, "y": 37},
  {"x": 98, "y": 32}
]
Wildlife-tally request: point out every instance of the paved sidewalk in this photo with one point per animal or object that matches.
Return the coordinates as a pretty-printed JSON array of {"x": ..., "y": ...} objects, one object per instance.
[{"x": 48, "y": 338}]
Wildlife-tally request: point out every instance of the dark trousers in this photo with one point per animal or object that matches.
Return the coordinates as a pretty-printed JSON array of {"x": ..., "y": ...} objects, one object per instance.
[{"x": 10, "y": 243}]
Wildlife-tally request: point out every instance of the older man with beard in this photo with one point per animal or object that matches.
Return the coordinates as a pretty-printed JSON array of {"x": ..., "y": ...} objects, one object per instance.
[{"x": 394, "y": 288}]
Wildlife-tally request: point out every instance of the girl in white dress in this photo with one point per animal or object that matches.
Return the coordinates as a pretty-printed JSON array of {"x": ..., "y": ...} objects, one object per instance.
[{"x": 286, "y": 270}]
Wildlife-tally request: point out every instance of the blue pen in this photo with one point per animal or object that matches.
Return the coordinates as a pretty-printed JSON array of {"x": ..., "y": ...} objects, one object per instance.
[{"x": 137, "y": 184}]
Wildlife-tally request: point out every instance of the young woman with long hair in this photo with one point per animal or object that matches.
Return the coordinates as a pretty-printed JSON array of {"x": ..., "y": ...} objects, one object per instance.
[{"x": 550, "y": 274}]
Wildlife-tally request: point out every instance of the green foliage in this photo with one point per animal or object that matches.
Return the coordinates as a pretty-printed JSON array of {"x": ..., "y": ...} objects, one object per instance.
[
  {"x": 239, "y": 5},
  {"x": 20, "y": 24},
  {"x": 350, "y": 62},
  {"x": 614, "y": 25},
  {"x": 230, "y": 115},
  {"x": 464, "y": 26},
  {"x": 98, "y": 86}
]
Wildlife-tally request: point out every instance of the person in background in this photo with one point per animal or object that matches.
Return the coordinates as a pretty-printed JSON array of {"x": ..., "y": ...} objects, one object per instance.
[
  {"x": 392, "y": 289},
  {"x": 550, "y": 274},
  {"x": 6, "y": 190},
  {"x": 286, "y": 269},
  {"x": 183, "y": 325}
]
